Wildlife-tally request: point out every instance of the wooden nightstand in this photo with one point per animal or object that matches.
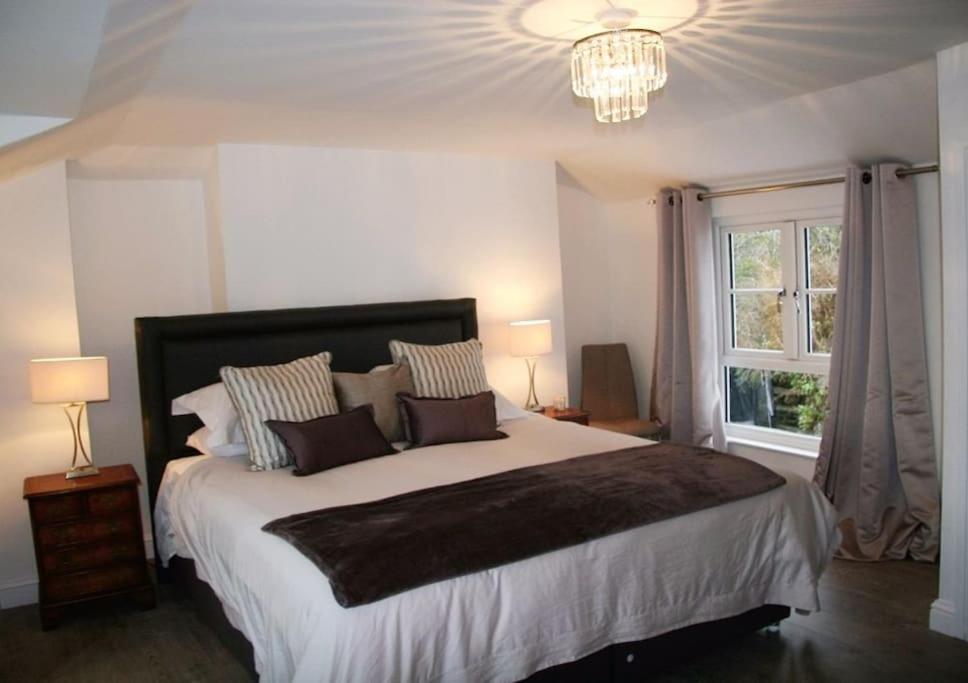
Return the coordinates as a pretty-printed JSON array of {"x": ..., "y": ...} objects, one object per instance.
[
  {"x": 568, "y": 415},
  {"x": 87, "y": 539}
]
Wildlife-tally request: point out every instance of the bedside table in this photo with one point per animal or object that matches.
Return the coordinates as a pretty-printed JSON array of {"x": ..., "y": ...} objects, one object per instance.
[
  {"x": 567, "y": 415},
  {"x": 87, "y": 539}
]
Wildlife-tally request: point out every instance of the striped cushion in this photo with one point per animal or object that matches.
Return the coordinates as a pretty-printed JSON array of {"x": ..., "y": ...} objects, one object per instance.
[
  {"x": 444, "y": 371},
  {"x": 293, "y": 392}
]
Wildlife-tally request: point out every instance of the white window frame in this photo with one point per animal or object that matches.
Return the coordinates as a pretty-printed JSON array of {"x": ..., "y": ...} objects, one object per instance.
[
  {"x": 795, "y": 356},
  {"x": 802, "y": 227}
]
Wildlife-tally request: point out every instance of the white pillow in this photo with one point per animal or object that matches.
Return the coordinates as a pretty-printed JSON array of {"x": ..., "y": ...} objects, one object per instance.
[
  {"x": 215, "y": 409},
  {"x": 200, "y": 440},
  {"x": 506, "y": 410}
]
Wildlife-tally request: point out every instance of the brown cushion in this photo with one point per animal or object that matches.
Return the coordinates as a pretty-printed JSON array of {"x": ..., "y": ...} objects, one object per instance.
[
  {"x": 632, "y": 426},
  {"x": 431, "y": 421},
  {"x": 379, "y": 388},
  {"x": 331, "y": 441}
]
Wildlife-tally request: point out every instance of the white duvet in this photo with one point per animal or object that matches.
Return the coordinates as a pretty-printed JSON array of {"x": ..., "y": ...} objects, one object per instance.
[{"x": 501, "y": 624}]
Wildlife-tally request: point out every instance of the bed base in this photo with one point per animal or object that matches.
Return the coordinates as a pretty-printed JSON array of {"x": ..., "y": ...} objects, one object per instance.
[
  {"x": 209, "y": 609},
  {"x": 620, "y": 663}
]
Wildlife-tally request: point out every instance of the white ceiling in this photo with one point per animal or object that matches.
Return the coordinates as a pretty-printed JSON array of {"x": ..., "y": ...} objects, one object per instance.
[
  {"x": 492, "y": 77},
  {"x": 47, "y": 52}
]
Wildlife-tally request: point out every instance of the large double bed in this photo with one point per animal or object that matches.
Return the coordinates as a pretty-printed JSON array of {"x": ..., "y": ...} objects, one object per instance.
[{"x": 558, "y": 615}]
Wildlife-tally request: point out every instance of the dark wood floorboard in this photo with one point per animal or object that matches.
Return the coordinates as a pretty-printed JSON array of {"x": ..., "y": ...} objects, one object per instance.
[
  {"x": 874, "y": 627},
  {"x": 115, "y": 641}
]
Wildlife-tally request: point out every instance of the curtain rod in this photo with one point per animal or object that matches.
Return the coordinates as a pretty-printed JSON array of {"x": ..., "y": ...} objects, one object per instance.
[{"x": 901, "y": 173}]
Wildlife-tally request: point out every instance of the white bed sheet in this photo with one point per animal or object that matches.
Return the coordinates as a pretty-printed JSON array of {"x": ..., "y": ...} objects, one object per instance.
[{"x": 501, "y": 624}]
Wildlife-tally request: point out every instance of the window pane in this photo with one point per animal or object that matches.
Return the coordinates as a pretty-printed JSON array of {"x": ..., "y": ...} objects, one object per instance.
[
  {"x": 757, "y": 323},
  {"x": 820, "y": 308},
  {"x": 823, "y": 252},
  {"x": 789, "y": 401},
  {"x": 756, "y": 259}
]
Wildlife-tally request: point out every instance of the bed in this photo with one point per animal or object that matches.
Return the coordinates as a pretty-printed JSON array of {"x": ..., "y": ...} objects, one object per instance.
[{"x": 604, "y": 609}]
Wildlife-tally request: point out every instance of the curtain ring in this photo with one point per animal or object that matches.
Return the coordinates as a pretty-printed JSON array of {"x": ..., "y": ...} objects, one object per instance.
[
  {"x": 867, "y": 177},
  {"x": 672, "y": 200}
]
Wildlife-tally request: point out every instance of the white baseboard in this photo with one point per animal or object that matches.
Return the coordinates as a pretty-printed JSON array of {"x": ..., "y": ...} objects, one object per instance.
[
  {"x": 24, "y": 591},
  {"x": 945, "y": 619},
  {"x": 18, "y": 594}
]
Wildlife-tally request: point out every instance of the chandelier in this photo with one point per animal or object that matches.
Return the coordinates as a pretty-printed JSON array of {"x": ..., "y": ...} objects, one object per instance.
[{"x": 618, "y": 68}]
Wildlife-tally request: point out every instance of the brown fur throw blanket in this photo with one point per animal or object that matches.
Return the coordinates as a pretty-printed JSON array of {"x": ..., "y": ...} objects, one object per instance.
[{"x": 372, "y": 550}]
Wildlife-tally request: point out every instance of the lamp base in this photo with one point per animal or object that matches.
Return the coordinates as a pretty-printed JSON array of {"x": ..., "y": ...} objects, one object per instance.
[
  {"x": 74, "y": 411},
  {"x": 82, "y": 471},
  {"x": 533, "y": 405}
]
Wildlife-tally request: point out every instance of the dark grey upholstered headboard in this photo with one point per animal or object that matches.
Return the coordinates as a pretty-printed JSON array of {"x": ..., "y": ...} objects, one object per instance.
[{"x": 182, "y": 353}]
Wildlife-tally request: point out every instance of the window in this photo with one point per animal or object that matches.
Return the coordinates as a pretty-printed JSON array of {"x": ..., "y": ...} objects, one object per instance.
[{"x": 778, "y": 289}]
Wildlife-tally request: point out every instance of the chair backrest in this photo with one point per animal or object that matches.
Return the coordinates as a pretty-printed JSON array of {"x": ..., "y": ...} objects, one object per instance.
[{"x": 607, "y": 383}]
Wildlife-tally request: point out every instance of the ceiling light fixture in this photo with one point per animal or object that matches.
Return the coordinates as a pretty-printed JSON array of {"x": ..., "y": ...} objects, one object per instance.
[{"x": 619, "y": 67}]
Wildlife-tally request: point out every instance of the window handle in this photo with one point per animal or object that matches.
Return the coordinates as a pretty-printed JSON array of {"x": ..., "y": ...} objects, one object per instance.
[
  {"x": 796, "y": 299},
  {"x": 779, "y": 300}
]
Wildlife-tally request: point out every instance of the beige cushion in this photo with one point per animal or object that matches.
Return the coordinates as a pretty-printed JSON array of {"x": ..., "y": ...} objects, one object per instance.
[
  {"x": 632, "y": 426},
  {"x": 378, "y": 387}
]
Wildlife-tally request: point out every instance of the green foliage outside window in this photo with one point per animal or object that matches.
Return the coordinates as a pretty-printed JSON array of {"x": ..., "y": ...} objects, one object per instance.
[
  {"x": 808, "y": 393},
  {"x": 757, "y": 265},
  {"x": 756, "y": 262},
  {"x": 790, "y": 401},
  {"x": 823, "y": 254}
]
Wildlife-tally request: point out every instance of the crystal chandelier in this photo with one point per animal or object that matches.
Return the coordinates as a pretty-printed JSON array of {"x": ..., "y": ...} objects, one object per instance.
[{"x": 618, "y": 68}]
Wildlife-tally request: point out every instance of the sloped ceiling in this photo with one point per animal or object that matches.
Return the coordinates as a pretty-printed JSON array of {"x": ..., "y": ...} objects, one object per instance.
[
  {"x": 47, "y": 52},
  {"x": 493, "y": 78}
]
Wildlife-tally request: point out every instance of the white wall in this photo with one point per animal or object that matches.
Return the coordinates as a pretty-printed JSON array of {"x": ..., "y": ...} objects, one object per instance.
[
  {"x": 139, "y": 248},
  {"x": 949, "y": 613},
  {"x": 37, "y": 319},
  {"x": 929, "y": 225},
  {"x": 608, "y": 263},
  {"x": 585, "y": 283},
  {"x": 306, "y": 226},
  {"x": 633, "y": 281},
  {"x": 775, "y": 459}
]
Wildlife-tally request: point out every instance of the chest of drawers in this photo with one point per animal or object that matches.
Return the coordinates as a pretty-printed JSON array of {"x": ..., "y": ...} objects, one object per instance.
[
  {"x": 576, "y": 415},
  {"x": 88, "y": 539}
]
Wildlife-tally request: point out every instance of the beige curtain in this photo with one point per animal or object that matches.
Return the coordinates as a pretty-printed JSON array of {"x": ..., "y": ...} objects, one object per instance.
[
  {"x": 877, "y": 459},
  {"x": 686, "y": 397}
]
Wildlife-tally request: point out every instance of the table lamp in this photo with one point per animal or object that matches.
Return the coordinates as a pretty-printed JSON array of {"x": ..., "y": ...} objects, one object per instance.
[
  {"x": 530, "y": 339},
  {"x": 71, "y": 382}
]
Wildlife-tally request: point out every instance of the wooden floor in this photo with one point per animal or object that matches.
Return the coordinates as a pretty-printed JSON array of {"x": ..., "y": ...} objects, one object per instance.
[{"x": 873, "y": 628}]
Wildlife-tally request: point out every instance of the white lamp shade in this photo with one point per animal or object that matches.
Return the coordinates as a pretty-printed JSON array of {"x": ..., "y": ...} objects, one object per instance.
[
  {"x": 69, "y": 380},
  {"x": 530, "y": 338}
]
